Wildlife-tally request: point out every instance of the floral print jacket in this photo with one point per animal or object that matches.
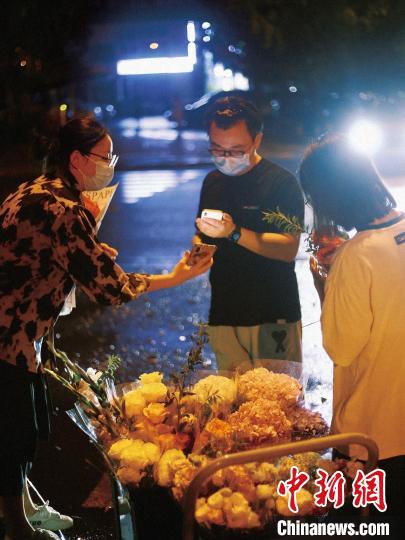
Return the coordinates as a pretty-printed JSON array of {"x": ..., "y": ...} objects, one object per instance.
[{"x": 48, "y": 243}]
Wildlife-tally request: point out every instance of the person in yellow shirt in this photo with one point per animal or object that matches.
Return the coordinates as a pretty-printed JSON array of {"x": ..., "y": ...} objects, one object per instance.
[{"x": 363, "y": 304}]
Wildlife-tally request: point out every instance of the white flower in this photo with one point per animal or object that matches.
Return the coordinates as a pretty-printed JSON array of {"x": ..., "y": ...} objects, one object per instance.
[
  {"x": 93, "y": 374},
  {"x": 223, "y": 388}
]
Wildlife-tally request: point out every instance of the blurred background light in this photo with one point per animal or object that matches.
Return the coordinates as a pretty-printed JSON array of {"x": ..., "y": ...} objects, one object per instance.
[
  {"x": 192, "y": 52},
  {"x": 366, "y": 136},
  {"x": 154, "y": 45},
  {"x": 205, "y": 25},
  {"x": 63, "y": 107},
  {"x": 293, "y": 89},
  {"x": 146, "y": 66},
  {"x": 191, "y": 31},
  {"x": 206, "y": 39}
]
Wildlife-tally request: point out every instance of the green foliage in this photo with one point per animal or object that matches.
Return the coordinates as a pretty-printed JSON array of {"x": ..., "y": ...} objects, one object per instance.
[
  {"x": 180, "y": 379},
  {"x": 288, "y": 224},
  {"x": 113, "y": 363}
]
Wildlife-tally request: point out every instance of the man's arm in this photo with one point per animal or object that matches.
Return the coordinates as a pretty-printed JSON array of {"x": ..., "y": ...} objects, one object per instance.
[{"x": 279, "y": 246}]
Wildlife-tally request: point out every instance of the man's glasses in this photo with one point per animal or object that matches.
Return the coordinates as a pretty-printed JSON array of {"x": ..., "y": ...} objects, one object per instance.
[
  {"x": 111, "y": 159},
  {"x": 226, "y": 153}
]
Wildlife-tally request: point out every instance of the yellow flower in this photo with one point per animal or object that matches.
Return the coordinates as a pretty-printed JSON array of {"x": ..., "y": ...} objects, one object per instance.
[
  {"x": 129, "y": 475},
  {"x": 207, "y": 515},
  {"x": 152, "y": 453},
  {"x": 166, "y": 467},
  {"x": 264, "y": 491},
  {"x": 117, "y": 448},
  {"x": 155, "y": 412},
  {"x": 305, "y": 502},
  {"x": 134, "y": 403},
  {"x": 148, "y": 378},
  {"x": 154, "y": 392},
  {"x": 134, "y": 456}
]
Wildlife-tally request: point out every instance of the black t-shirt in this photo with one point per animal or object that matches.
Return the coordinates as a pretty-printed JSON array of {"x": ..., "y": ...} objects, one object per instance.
[{"x": 249, "y": 289}]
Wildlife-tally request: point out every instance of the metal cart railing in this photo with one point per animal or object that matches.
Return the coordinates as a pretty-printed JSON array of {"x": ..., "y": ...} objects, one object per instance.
[{"x": 262, "y": 454}]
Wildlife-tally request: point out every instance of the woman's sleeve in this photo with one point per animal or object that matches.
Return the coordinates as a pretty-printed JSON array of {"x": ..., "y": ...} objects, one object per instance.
[
  {"x": 347, "y": 315},
  {"x": 78, "y": 251}
]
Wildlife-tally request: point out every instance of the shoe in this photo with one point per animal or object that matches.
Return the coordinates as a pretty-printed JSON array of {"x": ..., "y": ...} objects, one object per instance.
[
  {"x": 40, "y": 534},
  {"x": 47, "y": 518}
]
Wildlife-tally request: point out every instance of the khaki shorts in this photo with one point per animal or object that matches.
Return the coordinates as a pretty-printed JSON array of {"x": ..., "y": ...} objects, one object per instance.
[{"x": 276, "y": 346}]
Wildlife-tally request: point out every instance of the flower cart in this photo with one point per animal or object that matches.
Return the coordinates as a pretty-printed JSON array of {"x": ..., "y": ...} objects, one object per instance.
[{"x": 263, "y": 454}]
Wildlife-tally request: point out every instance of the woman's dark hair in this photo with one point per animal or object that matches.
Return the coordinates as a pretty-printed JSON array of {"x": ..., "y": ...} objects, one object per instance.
[
  {"x": 228, "y": 111},
  {"x": 342, "y": 185},
  {"x": 80, "y": 133}
]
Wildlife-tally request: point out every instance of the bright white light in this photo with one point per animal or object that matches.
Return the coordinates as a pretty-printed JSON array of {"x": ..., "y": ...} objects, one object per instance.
[
  {"x": 154, "y": 45},
  {"x": 228, "y": 73},
  {"x": 206, "y": 25},
  {"x": 218, "y": 69},
  {"x": 365, "y": 136},
  {"x": 206, "y": 39},
  {"x": 293, "y": 89},
  {"x": 191, "y": 31},
  {"x": 192, "y": 52},
  {"x": 241, "y": 82},
  {"x": 148, "y": 66},
  {"x": 97, "y": 110}
]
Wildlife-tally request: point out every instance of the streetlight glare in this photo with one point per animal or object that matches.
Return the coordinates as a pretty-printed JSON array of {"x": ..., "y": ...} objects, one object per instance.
[{"x": 366, "y": 136}]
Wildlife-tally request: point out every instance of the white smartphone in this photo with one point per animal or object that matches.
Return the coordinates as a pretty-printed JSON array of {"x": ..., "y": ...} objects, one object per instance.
[
  {"x": 212, "y": 214},
  {"x": 200, "y": 251}
]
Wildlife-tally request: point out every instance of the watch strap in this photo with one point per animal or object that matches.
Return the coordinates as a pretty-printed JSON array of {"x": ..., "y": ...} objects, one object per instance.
[{"x": 235, "y": 235}]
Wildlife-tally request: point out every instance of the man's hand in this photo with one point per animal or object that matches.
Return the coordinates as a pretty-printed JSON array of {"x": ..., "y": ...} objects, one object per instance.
[{"x": 215, "y": 228}]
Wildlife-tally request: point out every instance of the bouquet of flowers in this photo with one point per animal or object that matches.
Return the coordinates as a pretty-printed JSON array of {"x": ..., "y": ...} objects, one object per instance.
[{"x": 163, "y": 432}]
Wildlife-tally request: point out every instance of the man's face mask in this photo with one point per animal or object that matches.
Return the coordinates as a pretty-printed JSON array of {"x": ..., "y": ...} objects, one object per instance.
[
  {"x": 101, "y": 179},
  {"x": 232, "y": 166}
]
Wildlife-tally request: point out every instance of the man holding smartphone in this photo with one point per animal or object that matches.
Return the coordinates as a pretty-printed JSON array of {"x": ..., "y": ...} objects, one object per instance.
[{"x": 255, "y": 311}]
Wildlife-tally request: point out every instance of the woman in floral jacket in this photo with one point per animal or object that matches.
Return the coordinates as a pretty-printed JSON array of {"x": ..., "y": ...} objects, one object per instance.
[{"x": 47, "y": 244}]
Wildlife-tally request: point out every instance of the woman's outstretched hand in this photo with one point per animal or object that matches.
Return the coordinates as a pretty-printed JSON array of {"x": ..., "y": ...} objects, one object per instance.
[{"x": 183, "y": 271}]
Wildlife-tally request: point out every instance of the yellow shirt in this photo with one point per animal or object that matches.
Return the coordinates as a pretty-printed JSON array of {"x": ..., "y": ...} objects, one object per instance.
[{"x": 363, "y": 326}]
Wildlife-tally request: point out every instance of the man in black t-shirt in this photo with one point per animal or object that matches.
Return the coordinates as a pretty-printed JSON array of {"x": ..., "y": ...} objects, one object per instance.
[{"x": 255, "y": 311}]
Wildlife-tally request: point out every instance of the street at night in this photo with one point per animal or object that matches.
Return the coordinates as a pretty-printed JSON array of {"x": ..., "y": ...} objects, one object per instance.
[{"x": 202, "y": 261}]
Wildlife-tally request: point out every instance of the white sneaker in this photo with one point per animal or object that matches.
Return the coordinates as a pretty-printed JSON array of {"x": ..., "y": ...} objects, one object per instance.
[
  {"x": 41, "y": 534},
  {"x": 49, "y": 519}
]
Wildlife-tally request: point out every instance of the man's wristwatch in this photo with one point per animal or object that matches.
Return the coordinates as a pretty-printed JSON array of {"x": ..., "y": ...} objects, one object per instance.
[{"x": 235, "y": 235}]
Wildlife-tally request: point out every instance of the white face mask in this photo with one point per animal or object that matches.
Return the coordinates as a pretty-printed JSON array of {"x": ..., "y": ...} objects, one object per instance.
[
  {"x": 101, "y": 179},
  {"x": 232, "y": 166}
]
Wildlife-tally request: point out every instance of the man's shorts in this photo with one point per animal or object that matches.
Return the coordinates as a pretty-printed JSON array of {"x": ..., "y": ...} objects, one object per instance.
[
  {"x": 23, "y": 418},
  {"x": 276, "y": 346}
]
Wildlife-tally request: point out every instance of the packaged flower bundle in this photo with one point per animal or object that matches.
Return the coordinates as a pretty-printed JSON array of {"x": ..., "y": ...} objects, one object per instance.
[{"x": 160, "y": 433}]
